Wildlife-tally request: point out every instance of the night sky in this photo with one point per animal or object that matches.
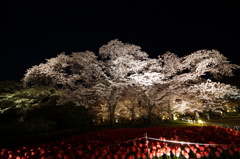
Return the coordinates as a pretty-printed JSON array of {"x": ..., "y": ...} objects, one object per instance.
[{"x": 32, "y": 31}]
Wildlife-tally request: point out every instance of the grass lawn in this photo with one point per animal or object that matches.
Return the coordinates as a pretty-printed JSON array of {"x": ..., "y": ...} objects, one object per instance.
[
  {"x": 41, "y": 137},
  {"x": 11, "y": 141}
]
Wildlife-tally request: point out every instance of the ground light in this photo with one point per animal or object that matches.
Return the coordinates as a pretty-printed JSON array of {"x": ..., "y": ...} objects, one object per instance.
[{"x": 201, "y": 121}]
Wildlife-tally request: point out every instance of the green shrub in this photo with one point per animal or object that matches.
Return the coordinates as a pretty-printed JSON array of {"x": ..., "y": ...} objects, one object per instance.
[{"x": 70, "y": 116}]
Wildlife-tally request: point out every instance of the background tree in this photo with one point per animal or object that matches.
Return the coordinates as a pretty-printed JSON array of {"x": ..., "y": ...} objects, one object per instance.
[{"x": 19, "y": 103}]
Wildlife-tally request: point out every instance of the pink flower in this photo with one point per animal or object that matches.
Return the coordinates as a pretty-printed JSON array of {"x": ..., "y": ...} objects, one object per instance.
[
  {"x": 66, "y": 157},
  {"x": 230, "y": 152},
  {"x": 187, "y": 149},
  {"x": 186, "y": 155},
  {"x": 154, "y": 152},
  {"x": 131, "y": 157},
  {"x": 133, "y": 149},
  {"x": 220, "y": 149},
  {"x": 174, "y": 151},
  {"x": 208, "y": 149},
  {"x": 198, "y": 155},
  {"x": 178, "y": 153},
  {"x": 122, "y": 156},
  {"x": 206, "y": 153},
  {"x": 115, "y": 156},
  {"x": 217, "y": 153},
  {"x": 201, "y": 148},
  {"x": 150, "y": 155},
  {"x": 138, "y": 155},
  {"x": 197, "y": 145},
  {"x": 144, "y": 156},
  {"x": 202, "y": 153},
  {"x": 225, "y": 147},
  {"x": 178, "y": 148},
  {"x": 235, "y": 148},
  {"x": 108, "y": 156}
]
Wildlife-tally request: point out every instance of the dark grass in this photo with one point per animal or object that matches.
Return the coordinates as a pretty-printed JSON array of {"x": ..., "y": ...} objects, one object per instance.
[{"x": 26, "y": 139}]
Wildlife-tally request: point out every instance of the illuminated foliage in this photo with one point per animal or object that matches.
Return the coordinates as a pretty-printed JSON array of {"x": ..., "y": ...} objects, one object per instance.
[
  {"x": 21, "y": 100},
  {"x": 85, "y": 78}
]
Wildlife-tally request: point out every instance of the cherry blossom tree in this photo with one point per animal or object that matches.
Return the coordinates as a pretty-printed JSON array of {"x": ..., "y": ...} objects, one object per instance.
[
  {"x": 169, "y": 74},
  {"x": 75, "y": 74},
  {"x": 119, "y": 62},
  {"x": 214, "y": 95},
  {"x": 85, "y": 78},
  {"x": 131, "y": 104}
]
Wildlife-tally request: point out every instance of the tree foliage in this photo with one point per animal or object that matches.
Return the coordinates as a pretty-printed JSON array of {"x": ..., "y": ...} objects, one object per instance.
[{"x": 89, "y": 80}]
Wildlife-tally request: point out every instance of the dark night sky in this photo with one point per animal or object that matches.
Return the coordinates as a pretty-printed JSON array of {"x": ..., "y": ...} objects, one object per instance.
[{"x": 32, "y": 31}]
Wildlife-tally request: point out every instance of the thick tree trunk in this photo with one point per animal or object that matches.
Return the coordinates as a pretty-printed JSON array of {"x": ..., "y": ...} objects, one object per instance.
[
  {"x": 170, "y": 113},
  {"x": 112, "y": 114},
  {"x": 112, "y": 118},
  {"x": 133, "y": 116},
  {"x": 149, "y": 116}
]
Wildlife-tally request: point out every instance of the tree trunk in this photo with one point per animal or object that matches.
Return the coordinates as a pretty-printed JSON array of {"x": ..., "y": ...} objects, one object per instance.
[
  {"x": 149, "y": 117},
  {"x": 171, "y": 116},
  {"x": 170, "y": 113},
  {"x": 133, "y": 116},
  {"x": 112, "y": 118},
  {"x": 112, "y": 114}
]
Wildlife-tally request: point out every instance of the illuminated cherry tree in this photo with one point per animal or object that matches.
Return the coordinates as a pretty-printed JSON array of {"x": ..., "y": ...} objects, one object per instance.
[
  {"x": 214, "y": 95},
  {"x": 119, "y": 61},
  {"x": 131, "y": 105},
  {"x": 171, "y": 74},
  {"x": 85, "y": 78},
  {"x": 75, "y": 74}
]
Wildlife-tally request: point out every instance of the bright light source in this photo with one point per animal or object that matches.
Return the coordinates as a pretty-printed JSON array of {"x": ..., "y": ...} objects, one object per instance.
[{"x": 200, "y": 121}]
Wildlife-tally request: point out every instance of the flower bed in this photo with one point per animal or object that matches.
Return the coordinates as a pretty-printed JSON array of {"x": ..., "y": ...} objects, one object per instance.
[{"x": 131, "y": 143}]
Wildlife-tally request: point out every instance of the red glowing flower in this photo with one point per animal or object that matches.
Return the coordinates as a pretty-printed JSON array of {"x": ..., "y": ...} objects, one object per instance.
[
  {"x": 186, "y": 155},
  {"x": 230, "y": 152},
  {"x": 144, "y": 156},
  {"x": 99, "y": 144},
  {"x": 167, "y": 152},
  {"x": 217, "y": 153},
  {"x": 202, "y": 153},
  {"x": 201, "y": 148},
  {"x": 198, "y": 155},
  {"x": 187, "y": 149},
  {"x": 220, "y": 149},
  {"x": 178, "y": 153},
  {"x": 131, "y": 157},
  {"x": 115, "y": 156},
  {"x": 206, "y": 153},
  {"x": 197, "y": 145},
  {"x": 150, "y": 155},
  {"x": 138, "y": 155},
  {"x": 154, "y": 152},
  {"x": 225, "y": 147},
  {"x": 174, "y": 151},
  {"x": 208, "y": 149},
  {"x": 122, "y": 156}
]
